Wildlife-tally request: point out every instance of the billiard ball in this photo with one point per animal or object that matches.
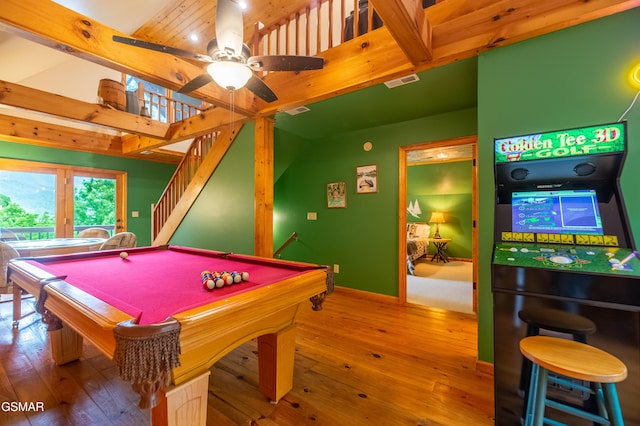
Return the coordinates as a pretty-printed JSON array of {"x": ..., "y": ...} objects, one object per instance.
[
  {"x": 236, "y": 277},
  {"x": 124, "y": 254},
  {"x": 209, "y": 285},
  {"x": 245, "y": 276},
  {"x": 219, "y": 282},
  {"x": 228, "y": 279}
]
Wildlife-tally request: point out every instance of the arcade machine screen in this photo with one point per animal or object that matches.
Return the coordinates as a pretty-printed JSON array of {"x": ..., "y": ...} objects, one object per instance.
[
  {"x": 563, "y": 244},
  {"x": 557, "y": 212}
]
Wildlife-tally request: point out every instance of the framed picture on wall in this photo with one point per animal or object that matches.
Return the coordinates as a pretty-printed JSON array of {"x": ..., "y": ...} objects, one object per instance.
[
  {"x": 367, "y": 179},
  {"x": 337, "y": 195}
]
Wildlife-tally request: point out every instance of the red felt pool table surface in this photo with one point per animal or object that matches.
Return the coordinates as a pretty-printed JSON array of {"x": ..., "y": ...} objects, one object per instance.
[{"x": 152, "y": 285}]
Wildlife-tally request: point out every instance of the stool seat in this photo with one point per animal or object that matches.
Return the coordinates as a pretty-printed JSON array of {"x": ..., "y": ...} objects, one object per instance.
[
  {"x": 573, "y": 359},
  {"x": 557, "y": 320},
  {"x": 540, "y": 318}
]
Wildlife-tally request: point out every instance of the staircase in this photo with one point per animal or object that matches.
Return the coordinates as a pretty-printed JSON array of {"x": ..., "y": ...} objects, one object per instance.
[{"x": 190, "y": 177}]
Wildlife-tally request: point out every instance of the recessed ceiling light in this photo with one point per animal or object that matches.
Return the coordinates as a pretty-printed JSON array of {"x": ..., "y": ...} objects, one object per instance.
[
  {"x": 243, "y": 5},
  {"x": 194, "y": 37}
]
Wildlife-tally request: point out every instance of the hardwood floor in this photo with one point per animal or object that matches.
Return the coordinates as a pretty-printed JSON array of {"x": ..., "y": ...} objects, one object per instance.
[{"x": 358, "y": 362}]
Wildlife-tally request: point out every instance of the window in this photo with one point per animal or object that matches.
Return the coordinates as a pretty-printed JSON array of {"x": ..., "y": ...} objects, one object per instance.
[{"x": 41, "y": 200}]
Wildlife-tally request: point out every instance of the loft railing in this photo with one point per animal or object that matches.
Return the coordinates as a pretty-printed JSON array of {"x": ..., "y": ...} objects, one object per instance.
[
  {"x": 181, "y": 178},
  {"x": 163, "y": 108},
  {"x": 313, "y": 30}
]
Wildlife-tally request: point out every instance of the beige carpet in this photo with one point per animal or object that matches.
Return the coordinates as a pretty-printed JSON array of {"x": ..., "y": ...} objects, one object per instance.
[{"x": 442, "y": 285}]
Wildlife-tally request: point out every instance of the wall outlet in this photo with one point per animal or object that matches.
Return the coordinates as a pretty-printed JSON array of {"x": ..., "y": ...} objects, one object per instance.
[
  {"x": 336, "y": 268},
  {"x": 135, "y": 214},
  {"x": 312, "y": 216}
]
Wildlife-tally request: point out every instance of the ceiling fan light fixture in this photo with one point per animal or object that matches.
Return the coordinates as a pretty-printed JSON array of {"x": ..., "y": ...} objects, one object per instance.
[{"x": 229, "y": 74}]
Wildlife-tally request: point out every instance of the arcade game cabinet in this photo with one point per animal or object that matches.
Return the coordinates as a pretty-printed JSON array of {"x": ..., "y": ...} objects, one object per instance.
[{"x": 563, "y": 246}]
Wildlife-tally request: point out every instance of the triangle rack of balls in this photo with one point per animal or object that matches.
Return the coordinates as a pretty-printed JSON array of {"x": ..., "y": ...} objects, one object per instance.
[{"x": 213, "y": 280}]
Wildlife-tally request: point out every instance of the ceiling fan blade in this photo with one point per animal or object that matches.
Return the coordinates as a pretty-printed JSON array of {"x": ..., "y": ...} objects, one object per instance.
[
  {"x": 229, "y": 27},
  {"x": 286, "y": 63},
  {"x": 162, "y": 48},
  {"x": 196, "y": 83},
  {"x": 260, "y": 89}
]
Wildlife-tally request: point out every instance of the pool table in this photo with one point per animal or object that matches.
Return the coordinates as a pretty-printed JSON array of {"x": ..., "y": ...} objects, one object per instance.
[{"x": 150, "y": 313}]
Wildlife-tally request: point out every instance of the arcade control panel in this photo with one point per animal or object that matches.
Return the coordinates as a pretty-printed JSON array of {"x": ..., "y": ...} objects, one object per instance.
[{"x": 588, "y": 259}]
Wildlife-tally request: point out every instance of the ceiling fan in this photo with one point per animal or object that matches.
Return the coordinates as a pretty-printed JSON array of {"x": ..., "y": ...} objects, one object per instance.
[{"x": 230, "y": 62}]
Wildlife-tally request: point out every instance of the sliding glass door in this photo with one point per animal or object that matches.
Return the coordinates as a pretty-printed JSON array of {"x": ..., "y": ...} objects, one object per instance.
[{"x": 39, "y": 200}]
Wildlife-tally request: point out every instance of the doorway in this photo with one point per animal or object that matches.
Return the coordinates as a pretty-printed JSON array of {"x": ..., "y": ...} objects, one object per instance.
[{"x": 446, "y": 276}]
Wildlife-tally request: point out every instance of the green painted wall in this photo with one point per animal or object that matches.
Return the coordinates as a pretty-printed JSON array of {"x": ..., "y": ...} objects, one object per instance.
[
  {"x": 222, "y": 217},
  {"x": 145, "y": 180},
  {"x": 570, "y": 78},
  {"x": 445, "y": 187},
  {"x": 363, "y": 237}
]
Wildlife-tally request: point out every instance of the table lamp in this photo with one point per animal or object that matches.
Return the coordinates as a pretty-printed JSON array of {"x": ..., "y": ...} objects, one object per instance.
[{"x": 437, "y": 218}]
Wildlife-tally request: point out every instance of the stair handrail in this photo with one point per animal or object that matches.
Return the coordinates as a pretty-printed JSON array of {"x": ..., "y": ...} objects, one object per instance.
[{"x": 292, "y": 237}]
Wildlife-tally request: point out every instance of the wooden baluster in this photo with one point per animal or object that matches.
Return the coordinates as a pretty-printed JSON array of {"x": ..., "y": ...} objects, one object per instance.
[
  {"x": 308, "y": 32},
  {"x": 330, "y": 23},
  {"x": 356, "y": 18}
]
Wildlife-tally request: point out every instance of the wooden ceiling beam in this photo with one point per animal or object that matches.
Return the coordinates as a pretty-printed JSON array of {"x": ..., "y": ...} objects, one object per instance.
[
  {"x": 191, "y": 127},
  {"x": 356, "y": 64},
  {"x": 32, "y": 132},
  {"x": 56, "y": 136},
  {"x": 200, "y": 124},
  {"x": 80, "y": 36},
  {"x": 499, "y": 23},
  {"x": 60, "y": 106},
  {"x": 410, "y": 28}
]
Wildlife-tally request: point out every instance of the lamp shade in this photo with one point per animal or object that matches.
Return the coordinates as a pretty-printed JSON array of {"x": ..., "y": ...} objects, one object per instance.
[
  {"x": 437, "y": 217},
  {"x": 229, "y": 75}
]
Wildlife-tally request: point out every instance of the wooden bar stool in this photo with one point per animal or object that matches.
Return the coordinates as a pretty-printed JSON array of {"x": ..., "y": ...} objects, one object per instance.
[
  {"x": 556, "y": 320},
  {"x": 578, "y": 361}
]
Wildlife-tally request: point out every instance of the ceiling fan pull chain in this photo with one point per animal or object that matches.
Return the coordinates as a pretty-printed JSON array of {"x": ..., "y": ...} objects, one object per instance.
[{"x": 231, "y": 111}]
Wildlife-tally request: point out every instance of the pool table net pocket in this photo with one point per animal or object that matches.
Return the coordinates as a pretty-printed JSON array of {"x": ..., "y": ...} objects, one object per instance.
[
  {"x": 318, "y": 299},
  {"x": 146, "y": 355}
]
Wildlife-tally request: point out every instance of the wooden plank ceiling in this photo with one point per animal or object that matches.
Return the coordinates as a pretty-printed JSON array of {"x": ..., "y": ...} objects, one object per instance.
[{"x": 411, "y": 40}]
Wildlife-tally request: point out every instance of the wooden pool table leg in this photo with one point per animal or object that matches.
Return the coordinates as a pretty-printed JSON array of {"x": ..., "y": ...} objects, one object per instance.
[
  {"x": 66, "y": 345},
  {"x": 185, "y": 404},
  {"x": 276, "y": 354}
]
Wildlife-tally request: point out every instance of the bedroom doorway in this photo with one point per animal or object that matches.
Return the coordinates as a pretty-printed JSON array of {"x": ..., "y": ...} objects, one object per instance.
[{"x": 438, "y": 198}]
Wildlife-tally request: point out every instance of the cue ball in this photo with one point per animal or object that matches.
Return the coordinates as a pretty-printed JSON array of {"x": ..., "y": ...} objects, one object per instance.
[{"x": 124, "y": 254}]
